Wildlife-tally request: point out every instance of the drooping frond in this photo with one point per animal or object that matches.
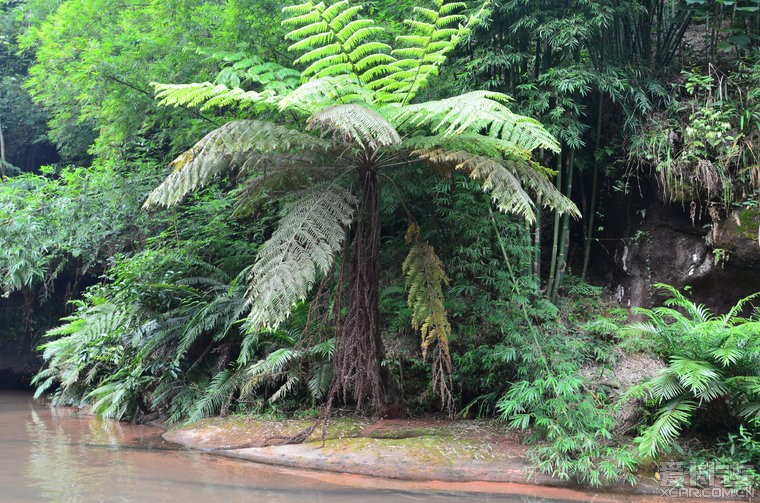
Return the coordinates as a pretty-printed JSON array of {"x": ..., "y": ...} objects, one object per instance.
[
  {"x": 534, "y": 176},
  {"x": 302, "y": 247},
  {"x": 425, "y": 278},
  {"x": 504, "y": 179},
  {"x": 479, "y": 112},
  {"x": 316, "y": 94},
  {"x": 273, "y": 175},
  {"x": 207, "y": 95},
  {"x": 219, "y": 394},
  {"x": 334, "y": 40},
  {"x": 228, "y": 146},
  {"x": 470, "y": 142},
  {"x": 670, "y": 421},
  {"x": 433, "y": 33},
  {"x": 355, "y": 125},
  {"x": 97, "y": 326},
  {"x": 698, "y": 377}
]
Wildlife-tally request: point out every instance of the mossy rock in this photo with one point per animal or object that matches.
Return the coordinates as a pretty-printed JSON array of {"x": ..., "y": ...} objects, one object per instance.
[{"x": 736, "y": 239}]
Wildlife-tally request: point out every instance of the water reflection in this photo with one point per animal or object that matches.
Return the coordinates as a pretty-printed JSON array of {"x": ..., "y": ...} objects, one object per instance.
[{"x": 57, "y": 455}]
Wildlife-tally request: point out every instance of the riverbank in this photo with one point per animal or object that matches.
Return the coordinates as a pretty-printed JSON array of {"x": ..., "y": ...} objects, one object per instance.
[{"x": 468, "y": 456}]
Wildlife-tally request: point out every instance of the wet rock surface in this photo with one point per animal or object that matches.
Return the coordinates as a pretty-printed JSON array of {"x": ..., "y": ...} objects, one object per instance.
[
  {"x": 412, "y": 450},
  {"x": 735, "y": 239},
  {"x": 718, "y": 259}
]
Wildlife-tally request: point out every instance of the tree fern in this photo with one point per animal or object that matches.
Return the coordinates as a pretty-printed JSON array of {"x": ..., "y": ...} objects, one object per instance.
[
  {"x": 359, "y": 95},
  {"x": 302, "y": 247}
]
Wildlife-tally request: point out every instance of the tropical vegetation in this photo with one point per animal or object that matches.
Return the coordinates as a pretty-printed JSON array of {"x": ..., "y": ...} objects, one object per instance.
[{"x": 258, "y": 207}]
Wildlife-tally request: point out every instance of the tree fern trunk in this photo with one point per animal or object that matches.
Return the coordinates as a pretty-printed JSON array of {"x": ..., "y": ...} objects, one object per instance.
[{"x": 359, "y": 348}]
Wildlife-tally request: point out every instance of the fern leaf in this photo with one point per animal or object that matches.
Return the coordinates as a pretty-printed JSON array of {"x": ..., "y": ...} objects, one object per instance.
[
  {"x": 207, "y": 95},
  {"x": 302, "y": 247},
  {"x": 425, "y": 278},
  {"x": 335, "y": 41},
  {"x": 671, "y": 419},
  {"x": 316, "y": 94},
  {"x": 503, "y": 179},
  {"x": 475, "y": 112},
  {"x": 219, "y": 394},
  {"x": 355, "y": 125},
  {"x": 420, "y": 52},
  {"x": 228, "y": 146},
  {"x": 320, "y": 381}
]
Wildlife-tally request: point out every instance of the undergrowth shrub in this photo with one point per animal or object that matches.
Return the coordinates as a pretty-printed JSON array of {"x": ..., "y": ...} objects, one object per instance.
[{"x": 713, "y": 371}]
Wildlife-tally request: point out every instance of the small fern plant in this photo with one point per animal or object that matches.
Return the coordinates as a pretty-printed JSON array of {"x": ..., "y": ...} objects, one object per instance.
[
  {"x": 353, "y": 118},
  {"x": 713, "y": 362}
]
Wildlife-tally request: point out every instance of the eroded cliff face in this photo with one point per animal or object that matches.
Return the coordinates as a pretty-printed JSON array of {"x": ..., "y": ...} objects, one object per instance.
[{"x": 715, "y": 255}]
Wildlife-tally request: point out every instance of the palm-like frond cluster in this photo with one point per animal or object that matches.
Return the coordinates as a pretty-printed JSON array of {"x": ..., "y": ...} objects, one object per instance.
[{"x": 713, "y": 359}]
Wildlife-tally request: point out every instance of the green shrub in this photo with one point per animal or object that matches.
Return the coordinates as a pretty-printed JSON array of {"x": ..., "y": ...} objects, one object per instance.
[{"x": 713, "y": 365}]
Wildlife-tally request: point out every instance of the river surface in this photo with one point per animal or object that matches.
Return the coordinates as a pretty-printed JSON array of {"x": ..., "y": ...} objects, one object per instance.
[{"x": 57, "y": 455}]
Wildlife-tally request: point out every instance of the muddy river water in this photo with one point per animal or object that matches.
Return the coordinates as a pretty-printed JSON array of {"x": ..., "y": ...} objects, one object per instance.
[{"x": 58, "y": 455}]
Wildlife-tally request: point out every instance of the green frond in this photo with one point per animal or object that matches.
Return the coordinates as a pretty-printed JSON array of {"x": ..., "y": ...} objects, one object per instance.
[
  {"x": 727, "y": 355},
  {"x": 343, "y": 15},
  {"x": 350, "y": 29},
  {"x": 207, "y": 95},
  {"x": 671, "y": 419},
  {"x": 218, "y": 395},
  {"x": 360, "y": 44},
  {"x": 302, "y": 247},
  {"x": 470, "y": 142},
  {"x": 333, "y": 40},
  {"x": 421, "y": 51},
  {"x": 505, "y": 179},
  {"x": 320, "y": 381},
  {"x": 425, "y": 278},
  {"x": 476, "y": 112},
  {"x": 326, "y": 91},
  {"x": 739, "y": 306},
  {"x": 665, "y": 386},
  {"x": 287, "y": 388},
  {"x": 355, "y": 125},
  {"x": 321, "y": 56},
  {"x": 228, "y": 146},
  {"x": 306, "y": 8}
]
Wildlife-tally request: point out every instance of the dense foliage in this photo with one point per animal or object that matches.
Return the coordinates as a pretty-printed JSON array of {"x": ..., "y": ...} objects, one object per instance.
[{"x": 377, "y": 206}]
